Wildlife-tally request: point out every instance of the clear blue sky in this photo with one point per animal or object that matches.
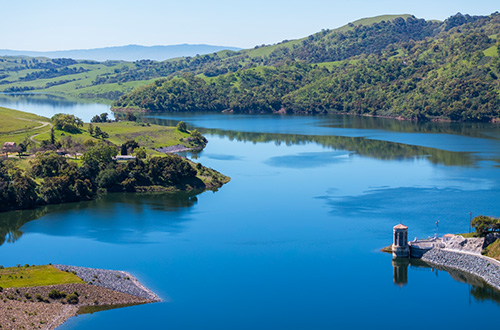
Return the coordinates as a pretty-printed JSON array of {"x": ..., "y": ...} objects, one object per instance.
[{"x": 76, "y": 24}]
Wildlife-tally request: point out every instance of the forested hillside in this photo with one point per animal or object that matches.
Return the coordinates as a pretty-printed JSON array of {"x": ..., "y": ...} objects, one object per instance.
[
  {"x": 401, "y": 67},
  {"x": 395, "y": 66}
]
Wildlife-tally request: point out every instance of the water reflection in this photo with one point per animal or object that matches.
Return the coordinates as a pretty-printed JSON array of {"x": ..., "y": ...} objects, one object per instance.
[
  {"x": 378, "y": 149},
  {"x": 478, "y": 288},
  {"x": 366, "y": 124},
  {"x": 48, "y": 105},
  {"x": 400, "y": 271},
  {"x": 480, "y": 130},
  {"x": 116, "y": 218},
  {"x": 11, "y": 223}
]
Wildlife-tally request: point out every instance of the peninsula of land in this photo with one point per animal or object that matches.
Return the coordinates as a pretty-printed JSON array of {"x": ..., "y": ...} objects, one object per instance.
[
  {"x": 44, "y": 297},
  {"x": 61, "y": 159}
]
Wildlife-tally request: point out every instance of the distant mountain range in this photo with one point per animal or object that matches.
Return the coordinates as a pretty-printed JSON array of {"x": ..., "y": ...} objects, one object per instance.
[{"x": 125, "y": 53}]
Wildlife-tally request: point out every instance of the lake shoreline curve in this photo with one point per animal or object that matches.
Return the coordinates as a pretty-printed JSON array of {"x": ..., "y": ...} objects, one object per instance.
[
  {"x": 486, "y": 268},
  {"x": 49, "y": 306},
  {"x": 115, "y": 280}
]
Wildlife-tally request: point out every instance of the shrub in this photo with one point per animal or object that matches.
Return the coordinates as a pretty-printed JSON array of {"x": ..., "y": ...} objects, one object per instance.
[
  {"x": 72, "y": 299},
  {"x": 56, "y": 294}
]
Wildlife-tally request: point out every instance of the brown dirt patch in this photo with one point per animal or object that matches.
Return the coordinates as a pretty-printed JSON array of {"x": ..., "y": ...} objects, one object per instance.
[{"x": 32, "y": 308}]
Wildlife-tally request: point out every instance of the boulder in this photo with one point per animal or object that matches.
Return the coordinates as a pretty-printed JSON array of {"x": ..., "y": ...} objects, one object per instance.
[{"x": 490, "y": 238}]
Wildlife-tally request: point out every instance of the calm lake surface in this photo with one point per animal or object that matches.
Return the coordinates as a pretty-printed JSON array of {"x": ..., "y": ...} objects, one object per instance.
[{"x": 292, "y": 242}]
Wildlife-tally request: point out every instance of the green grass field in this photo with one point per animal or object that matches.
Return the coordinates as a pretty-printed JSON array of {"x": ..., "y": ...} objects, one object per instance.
[
  {"x": 493, "y": 251},
  {"x": 15, "y": 125},
  {"x": 21, "y": 277},
  {"x": 152, "y": 136},
  {"x": 82, "y": 84},
  {"x": 492, "y": 51}
]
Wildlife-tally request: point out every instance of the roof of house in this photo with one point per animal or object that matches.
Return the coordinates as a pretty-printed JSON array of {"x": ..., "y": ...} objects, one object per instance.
[
  {"x": 9, "y": 144},
  {"x": 124, "y": 157},
  {"x": 400, "y": 226}
]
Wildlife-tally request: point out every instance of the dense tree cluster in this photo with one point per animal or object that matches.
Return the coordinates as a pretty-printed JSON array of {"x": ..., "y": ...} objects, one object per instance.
[
  {"x": 52, "y": 179},
  {"x": 484, "y": 225},
  {"x": 406, "y": 68},
  {"x": 103, "y": 118},
  {"x": 329, "y": 46},
  {"x": 52, "y": 73},
  {"x": 66, "y": 122},
  {"x": 17, "y": 190}
]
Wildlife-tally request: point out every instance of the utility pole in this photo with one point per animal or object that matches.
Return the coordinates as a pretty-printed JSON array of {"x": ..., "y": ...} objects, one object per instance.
[{"x": 470, "y": 220}]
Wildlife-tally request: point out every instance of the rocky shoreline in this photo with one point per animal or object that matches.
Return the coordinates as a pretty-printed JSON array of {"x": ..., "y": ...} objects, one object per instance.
[
  {"x": 112, "y": 279},
  {"x": 39, "y": 308},
  {"x": 486, "y": 268},
  {"x": 174, "y": 149}
]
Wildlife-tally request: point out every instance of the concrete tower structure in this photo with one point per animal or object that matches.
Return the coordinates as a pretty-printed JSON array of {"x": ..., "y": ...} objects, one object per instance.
[{"x": 400, "y": 247}]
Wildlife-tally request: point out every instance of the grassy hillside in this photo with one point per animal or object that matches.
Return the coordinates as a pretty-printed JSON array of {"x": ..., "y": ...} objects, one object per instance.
[
  {"x": 405, "y": 68},
  {"x": 15, "y": 125},
  {"x": 147, "y": 135},
  {"x": 29, "y": 276},
  {"x": 111, "y": 79},
  {"x": 393, "y": 65}
]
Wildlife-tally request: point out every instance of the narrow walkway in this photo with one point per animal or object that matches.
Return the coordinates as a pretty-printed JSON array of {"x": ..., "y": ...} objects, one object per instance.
[{"x": 44, "y": 123}]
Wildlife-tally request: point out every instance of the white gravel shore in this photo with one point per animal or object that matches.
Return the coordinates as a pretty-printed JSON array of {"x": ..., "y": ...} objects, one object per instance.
[{"x": 112, "y": 279}]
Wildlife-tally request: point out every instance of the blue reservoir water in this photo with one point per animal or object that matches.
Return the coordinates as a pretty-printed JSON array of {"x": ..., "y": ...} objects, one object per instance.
[{"x": 292, "y": 242}]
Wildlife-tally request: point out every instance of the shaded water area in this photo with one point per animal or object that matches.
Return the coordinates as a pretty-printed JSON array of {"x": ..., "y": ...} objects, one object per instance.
[{"x": 292, "y": 242}]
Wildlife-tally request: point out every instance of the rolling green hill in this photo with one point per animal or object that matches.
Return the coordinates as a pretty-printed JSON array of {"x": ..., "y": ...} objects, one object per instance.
[
  {"x": 405, "y": 68},
  {"x": 111, "y": 79},
  {"x": 394, "y": 66}
]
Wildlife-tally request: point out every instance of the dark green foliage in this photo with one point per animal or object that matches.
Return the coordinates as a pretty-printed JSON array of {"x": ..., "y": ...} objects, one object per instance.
[
  {"x": 129, "y": 147},
  {"x": 103, "y": 118},
  {"x": 52, "y": 73},
  {"x": 98, "y": 132},
  {"x": 123, "y": 150},
  {"x": 329, "y": 46},
  {"x": 56, "y": 294},
  {"x": 61, "y": 181},
  {"x": 66, "y": 122},
  {"x": 198, "y": 139},
  {"x": 72, "y": 299},
  {"x": 130, "y": 117},
  {"x": 484, "y": 225},
  {"x": 95, "y": 119},
  {"x": 405, "y": 68},
  {"x": 99, "y": 156},
  {"x": 52, "y": 137},
  {"x": 17, "y": 190},
  {"x": 110, "y": 179},
  {"x": 141, "y": 153},
  {"x": 169, "y": 170},
  {"x": 182, "y": 127},
  {"x": 48, "y": 164}
]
